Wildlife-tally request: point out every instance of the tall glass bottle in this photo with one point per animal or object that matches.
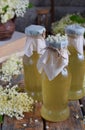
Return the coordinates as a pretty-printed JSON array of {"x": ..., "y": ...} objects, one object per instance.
[
  {"x": 76, "y": 60},
  {"x": 55, "y": 81},
  {"x": 84, "y": 68},
  {"x": 33, "y": 48}
]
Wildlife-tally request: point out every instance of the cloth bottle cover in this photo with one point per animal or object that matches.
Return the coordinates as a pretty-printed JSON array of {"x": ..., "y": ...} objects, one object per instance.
[
  {"x": 54, "y": 59},
  {"x": 75, "y": 34},
  {"x": 35, "y": 40}
]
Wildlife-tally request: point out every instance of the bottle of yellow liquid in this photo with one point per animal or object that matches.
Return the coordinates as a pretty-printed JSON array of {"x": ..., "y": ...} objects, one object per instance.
[
  {"x": 34, "y": 45},
  {"x": 55, "y": 81},
  {"x": 76, "y": 60},
  {"x": 84, "y": 70}
]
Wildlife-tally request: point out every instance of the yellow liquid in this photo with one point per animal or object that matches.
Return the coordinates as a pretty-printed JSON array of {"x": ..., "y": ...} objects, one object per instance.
[
  {"x": 76, "y": 67},
  {"x": 55, "y": 98},
  {"x": 32, "y": 77},
  {"x": 84, "y": 76}
]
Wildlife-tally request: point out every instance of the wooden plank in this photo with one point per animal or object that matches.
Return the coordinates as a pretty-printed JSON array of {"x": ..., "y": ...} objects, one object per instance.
[
  {"x": 70, "y": 124},
  {"x": 82, "y": 102},
  {"x": 31, "y": 121},
  {"x": 13, "y": 46}
]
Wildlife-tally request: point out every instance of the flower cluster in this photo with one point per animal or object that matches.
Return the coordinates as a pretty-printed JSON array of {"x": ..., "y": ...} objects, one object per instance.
[
  {"x": 14, "y": 103},
  {"x": 56, "y": 38},
  {"x": 13, "y": 66},
  {"x": 10, "y": 8},
  {"x": 59, "y": 26}
]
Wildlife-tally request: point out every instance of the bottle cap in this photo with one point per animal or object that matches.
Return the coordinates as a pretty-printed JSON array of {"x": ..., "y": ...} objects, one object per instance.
[
  {"x": 74, "y": 29},
  {"x": 34, "y": 30}
]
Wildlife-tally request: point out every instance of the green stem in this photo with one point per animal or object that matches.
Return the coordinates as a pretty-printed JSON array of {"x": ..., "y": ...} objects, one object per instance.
[{"x": 1, "y": 118}]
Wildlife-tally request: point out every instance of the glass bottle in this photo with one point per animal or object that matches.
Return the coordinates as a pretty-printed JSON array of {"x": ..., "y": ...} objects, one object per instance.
[
  {"x": 76, "y": 60},
  {"x": 84, "y": 68},
  {"x": 33, "y": 49},
  {"x": 55, "y": 82}
]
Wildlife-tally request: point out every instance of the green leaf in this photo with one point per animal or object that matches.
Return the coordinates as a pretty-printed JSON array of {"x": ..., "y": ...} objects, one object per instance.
[
  {"x": 77, "y": 18},
  {"x": 1, "y": 118},
  {"x": 30, "y": 5},
  {"x": 5, "y": 8}
]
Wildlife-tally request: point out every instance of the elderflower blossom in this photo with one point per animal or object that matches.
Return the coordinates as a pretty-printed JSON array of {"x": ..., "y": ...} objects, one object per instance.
[
  {"x": 59, "y": 26},
  {"x": 14, "y": 103},
  {"x": 13, "y": 66},
  {"x": 56, "y": 38},
  {"x": 10, "y": 8}
]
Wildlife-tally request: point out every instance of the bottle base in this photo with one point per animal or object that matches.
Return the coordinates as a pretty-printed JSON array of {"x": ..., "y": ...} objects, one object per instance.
[
  {"x": 55, "y": 116},
  {"x": 75, "y": 95}
]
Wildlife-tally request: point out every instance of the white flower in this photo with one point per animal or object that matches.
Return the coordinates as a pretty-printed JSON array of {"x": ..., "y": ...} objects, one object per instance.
[
  {"x": 59, "y": 26},
  {"x": 56, "y": 38},
  {"x": 13, "y": 66},
  {"x": 10, "y": 8},
  {"x": 14, "y": 103}
]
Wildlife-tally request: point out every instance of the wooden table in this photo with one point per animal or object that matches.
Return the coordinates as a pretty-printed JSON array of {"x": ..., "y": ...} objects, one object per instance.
[{"x": 33, "y": 120}]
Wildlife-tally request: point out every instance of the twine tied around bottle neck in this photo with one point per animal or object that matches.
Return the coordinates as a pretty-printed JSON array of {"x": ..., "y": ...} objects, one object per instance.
[
  {"x": 53, "y": 61},
  {"x": 57, "y": 50}
]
